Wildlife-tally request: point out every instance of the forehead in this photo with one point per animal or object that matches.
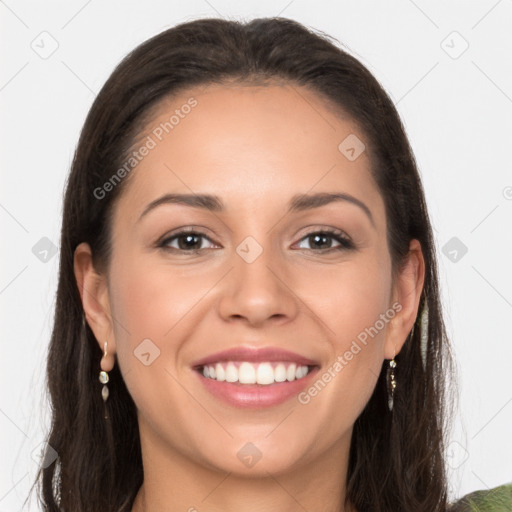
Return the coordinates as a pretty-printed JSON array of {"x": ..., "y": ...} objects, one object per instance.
[{"x": 252, "y": 146}]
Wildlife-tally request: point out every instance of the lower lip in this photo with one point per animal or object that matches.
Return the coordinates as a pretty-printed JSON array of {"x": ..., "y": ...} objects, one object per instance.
[{"x": 256, "y": 396}]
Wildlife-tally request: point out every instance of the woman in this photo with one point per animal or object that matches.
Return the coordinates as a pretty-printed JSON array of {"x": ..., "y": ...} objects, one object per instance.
[{"x": 248, "y": 313}]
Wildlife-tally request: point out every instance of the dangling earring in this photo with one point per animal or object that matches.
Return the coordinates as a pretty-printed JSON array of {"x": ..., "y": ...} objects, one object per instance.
[
  {"x": 424, "y": 335},
  {"x": 104, "y": 379},
  {"x": 391, "y": 381}
]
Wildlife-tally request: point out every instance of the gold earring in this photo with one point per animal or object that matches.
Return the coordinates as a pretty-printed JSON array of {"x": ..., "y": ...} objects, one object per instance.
[
  {"x": 391, "y": 381},
  {"x": 104, "y": 379}
]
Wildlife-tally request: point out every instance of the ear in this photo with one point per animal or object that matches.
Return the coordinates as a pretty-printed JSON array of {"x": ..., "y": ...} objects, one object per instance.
[
  {"x": 407, "y": 290},
  {"x": 93, "y": 288}
]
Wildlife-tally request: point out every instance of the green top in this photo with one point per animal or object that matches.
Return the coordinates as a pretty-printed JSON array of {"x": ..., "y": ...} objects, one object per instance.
[{"x": 498, "y": 499}]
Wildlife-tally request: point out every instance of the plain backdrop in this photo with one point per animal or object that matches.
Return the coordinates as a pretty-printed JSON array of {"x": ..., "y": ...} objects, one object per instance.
[{"x": 446, "y": 66}]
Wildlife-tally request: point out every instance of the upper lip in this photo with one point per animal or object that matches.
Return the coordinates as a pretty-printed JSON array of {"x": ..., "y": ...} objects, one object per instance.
[{"x": 255, "y": 355}]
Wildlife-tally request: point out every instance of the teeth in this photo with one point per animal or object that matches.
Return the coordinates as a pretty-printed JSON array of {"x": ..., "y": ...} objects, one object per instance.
[
  {"x": 265, "y": 374},
  {"x": 255, "y": 373},
  {"x": 280, "y": 373},
  {"x": 220, "y": 374},
  {"x": 299, "y": 373},
  {"x": 231, "y": 373},
  {"x": 246, "y": 374}
]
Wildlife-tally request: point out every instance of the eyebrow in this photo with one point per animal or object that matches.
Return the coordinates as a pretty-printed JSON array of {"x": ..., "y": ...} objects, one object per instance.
[{"x": 298, "y": 203}]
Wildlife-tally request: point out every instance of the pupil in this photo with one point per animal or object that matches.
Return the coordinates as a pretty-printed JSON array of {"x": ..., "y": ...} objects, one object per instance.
[
  {"x": 323, "y": 240},
  {"x": 190, "y": 241}
]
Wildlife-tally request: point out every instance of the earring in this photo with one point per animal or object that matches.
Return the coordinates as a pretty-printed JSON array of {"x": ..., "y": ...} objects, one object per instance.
[
  {"x": 391, "y": 381},
  {"x": 424, "y": 335},
  {"x": 104, "y": 379}
]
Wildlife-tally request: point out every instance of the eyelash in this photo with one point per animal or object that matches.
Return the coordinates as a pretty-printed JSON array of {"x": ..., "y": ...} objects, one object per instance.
[{"x": 338, "y": 236}]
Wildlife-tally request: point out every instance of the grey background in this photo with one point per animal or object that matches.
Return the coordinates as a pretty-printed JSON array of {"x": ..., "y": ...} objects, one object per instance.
[{"x": 456, "y": 103}]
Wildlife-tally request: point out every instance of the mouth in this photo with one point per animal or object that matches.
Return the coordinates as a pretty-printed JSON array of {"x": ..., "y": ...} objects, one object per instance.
[{"x": 255, "y": 378}]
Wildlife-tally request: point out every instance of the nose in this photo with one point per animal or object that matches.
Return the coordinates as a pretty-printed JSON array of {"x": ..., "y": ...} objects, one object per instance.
[{"x": 258, "y": 292}]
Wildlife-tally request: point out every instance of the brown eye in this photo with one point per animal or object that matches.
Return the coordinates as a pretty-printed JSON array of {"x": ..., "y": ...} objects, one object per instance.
[
  {"x": 189, "y": 241},
  {"x": 323, "y": 240}
]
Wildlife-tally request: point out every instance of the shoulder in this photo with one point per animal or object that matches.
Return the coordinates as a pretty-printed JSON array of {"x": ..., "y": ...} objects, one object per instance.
[{"x": 498, "y": 499}]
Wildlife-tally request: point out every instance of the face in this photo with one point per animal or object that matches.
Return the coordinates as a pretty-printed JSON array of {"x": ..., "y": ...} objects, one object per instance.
[{"x": 247, "y": 311}]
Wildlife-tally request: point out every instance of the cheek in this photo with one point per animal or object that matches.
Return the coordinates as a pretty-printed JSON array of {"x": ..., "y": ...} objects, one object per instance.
[
  {"x": 351, "y": 299},
  {"x": 157, "y": 309},
  {"x": 151, "y": 307},
  {"x": 149, "y": 300},
  {"x": 149, "y": 304},
  {"x": 354, "y": 305}
]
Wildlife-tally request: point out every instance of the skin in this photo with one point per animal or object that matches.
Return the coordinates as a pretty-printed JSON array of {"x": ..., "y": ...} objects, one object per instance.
[{"x": 255, "y": 147}]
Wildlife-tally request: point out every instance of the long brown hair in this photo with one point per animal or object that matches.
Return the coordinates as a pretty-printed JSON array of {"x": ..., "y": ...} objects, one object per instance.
[{"x": 396, "y": 458}]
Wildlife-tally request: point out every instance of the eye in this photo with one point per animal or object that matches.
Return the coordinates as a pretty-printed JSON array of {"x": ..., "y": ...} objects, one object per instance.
[
  {"x": 323, "y": 240},
  {"x": 192, "y": 241},
  {"x": 187, "y": 240}
]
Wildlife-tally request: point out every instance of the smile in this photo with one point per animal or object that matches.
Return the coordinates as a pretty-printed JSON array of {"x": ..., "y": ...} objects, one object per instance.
[
  {"x": 265, "y": 373},
  {"x": 246, "y": 377}
]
